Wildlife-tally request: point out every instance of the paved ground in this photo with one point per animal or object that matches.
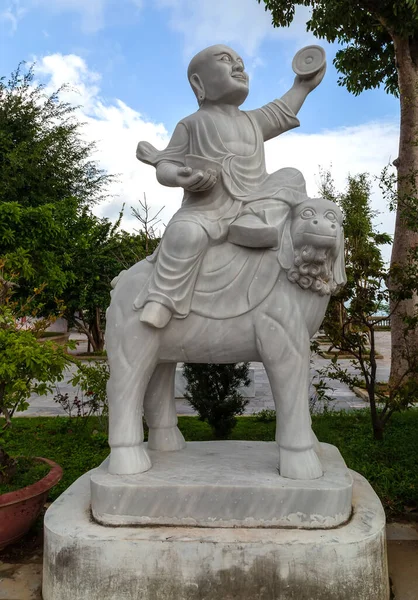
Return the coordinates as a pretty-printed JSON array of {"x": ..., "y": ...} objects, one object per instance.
[
  {"x": 343, "y": 397},
  {"x": 21, "y": 580}
]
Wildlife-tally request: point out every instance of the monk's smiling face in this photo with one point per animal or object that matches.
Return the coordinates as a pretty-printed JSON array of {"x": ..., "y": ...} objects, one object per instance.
[{"x": 217, "y": 73}]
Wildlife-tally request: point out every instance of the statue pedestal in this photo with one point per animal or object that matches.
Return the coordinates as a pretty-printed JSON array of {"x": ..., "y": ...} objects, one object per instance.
[
  {"x": 224, "y": 484},
  {"x": 84, "y": 560}
]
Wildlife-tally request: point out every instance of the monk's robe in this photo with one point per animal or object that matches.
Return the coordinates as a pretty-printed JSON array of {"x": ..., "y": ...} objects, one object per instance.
[{"x": 243, "y": 186}]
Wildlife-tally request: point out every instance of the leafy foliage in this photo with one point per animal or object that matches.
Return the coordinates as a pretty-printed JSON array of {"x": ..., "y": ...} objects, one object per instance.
[
  {"x": 47, "y": 179},
  {"x": 27, "y": 365},
  {"x": 90, "y": 398},
  {"x": 366, "y": 30},
  {"x": 351, "y": 319},
  {"x": 212, "y": 390},
  {"x": 100, "y": 250}
]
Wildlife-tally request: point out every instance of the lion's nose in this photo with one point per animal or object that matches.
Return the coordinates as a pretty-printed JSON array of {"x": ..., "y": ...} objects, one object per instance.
[{"x": 315, "y": 222}]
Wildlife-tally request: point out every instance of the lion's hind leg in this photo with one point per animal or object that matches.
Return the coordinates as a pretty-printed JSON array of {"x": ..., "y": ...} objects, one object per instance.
[{"x": 160, "y": 410}]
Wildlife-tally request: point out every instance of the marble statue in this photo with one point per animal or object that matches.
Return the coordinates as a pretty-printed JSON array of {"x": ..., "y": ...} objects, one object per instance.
[{"x": 244, "y": 270}]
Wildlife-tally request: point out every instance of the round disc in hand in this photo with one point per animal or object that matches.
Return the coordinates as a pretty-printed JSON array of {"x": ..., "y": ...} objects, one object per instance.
[{"x": 308, "y": 61}]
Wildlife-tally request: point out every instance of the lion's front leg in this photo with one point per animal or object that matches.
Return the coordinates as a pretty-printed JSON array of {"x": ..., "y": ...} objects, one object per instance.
[
  {"x": 285, "y": 354},
  {"x": 132, "y": 349}
]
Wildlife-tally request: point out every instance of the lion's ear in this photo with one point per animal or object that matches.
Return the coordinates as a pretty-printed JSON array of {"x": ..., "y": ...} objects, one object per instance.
[
  {"x": 286, "y": 254},
  {"x": 338, "y": 269}
]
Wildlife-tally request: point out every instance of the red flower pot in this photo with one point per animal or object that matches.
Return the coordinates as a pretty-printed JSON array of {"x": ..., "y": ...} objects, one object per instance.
[{"x": 19, "y": 509}]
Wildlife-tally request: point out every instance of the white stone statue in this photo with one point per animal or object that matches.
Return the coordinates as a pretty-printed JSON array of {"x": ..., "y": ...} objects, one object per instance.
[{"x": 244, "y": 271}]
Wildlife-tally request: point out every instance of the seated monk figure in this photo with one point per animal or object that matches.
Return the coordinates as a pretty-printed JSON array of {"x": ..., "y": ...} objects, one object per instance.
[{"x": 217, "y": 156}]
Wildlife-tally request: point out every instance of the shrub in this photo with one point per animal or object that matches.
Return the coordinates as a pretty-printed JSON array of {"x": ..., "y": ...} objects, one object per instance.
[
  {"x": 212, "y": 390},
  {"x": 90, "y": 397}
]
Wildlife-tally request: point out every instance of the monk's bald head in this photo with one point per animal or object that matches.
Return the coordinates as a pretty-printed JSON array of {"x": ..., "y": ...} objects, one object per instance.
[
  {"x": 199, "y": 60},
  {"x": 217, "y": 73}
]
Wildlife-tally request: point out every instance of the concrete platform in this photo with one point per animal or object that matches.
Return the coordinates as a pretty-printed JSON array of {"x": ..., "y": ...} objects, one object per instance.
[
  {"x": 87, "y": 561},
  {"x": 224, "y": 484}
]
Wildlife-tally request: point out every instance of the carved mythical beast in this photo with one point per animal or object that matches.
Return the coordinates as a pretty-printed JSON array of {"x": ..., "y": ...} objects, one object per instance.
[{"x": 249, "y": 305}]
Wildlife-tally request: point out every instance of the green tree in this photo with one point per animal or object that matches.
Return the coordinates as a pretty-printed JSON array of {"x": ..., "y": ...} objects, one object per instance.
[
  {"x": 351, "y": 320},
  {"x": 27, "y": 365},
  {"x": 380, "y": 47},
  {"x": 212, "y": 390},
  {"x": 48, "y": 179},
  {"x": 100, "y": 250}
]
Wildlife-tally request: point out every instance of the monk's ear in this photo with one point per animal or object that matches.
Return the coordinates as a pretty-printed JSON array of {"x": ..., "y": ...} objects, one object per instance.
[
  {"x": 338, "y": 270},
  {"x": 197, "y": 86},
  {"x": 286, "y": 254}
]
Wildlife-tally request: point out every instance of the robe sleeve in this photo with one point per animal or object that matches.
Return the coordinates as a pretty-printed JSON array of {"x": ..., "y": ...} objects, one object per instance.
[
  {"x": 174, "y": 153},
  {"x": 275, "y": 118}
]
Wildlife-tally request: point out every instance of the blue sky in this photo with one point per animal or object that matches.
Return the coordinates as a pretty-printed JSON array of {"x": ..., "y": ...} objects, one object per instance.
[{"x": 127, "y": 59}]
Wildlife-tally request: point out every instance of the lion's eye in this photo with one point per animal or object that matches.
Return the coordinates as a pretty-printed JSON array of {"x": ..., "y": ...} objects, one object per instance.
[
  {"x": 226, "y": 58},
  {"x": 308, "y": 213},
  {"x": 331, "y": 216}
]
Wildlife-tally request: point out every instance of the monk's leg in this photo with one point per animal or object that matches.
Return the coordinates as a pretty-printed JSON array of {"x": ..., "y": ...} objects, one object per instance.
[{"x": 171, "y": 287}]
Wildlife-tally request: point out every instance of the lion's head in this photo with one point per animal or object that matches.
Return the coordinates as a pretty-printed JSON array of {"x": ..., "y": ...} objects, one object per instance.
[{"x": 312, "y": 246}]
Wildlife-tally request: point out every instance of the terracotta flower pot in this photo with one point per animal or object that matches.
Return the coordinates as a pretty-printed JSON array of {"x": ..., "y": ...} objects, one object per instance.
[{"x": 19, "y": 509}]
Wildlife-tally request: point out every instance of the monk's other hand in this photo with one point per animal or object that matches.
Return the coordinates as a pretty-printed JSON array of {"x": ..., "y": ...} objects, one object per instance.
[{"x": 195, "y": 180}]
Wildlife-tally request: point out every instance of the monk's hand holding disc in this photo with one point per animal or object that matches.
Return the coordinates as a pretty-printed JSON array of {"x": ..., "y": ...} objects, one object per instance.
[
  {"x": 195, "y": 180},
  {"x": 310, "y": 65}
]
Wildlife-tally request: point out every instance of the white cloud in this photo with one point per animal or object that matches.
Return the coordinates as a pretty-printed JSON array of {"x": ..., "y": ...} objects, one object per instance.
[
  {"x": 117, "y": 128},
  {"x": 72, "y": 72},
  {"x": 241, "y": 22}
]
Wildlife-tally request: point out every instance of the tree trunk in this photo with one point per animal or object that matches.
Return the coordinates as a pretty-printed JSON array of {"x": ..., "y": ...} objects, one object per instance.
[
  {"x": 97, "y": 332},
  {"x": 405, "y": 238}
]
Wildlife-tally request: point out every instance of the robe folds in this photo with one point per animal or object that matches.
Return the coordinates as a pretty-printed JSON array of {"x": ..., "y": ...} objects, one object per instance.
[{"x": 243, "y": 186}]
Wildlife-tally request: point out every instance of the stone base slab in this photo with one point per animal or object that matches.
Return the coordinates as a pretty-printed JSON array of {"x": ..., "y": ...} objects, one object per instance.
[
  {"x": 87, "y": 561},
  {"x": 224, "y": 484}
]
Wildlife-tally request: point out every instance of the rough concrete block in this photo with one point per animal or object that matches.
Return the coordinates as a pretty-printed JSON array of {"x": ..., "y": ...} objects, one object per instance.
[{"x": 87, "y": 561}]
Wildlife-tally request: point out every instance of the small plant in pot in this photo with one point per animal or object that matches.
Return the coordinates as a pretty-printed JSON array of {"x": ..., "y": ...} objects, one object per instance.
[{"x": 26, "y": 366}]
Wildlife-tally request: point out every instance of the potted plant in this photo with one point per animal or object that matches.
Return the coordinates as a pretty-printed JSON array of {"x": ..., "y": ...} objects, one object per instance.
[{"x": 27, "y": 365}]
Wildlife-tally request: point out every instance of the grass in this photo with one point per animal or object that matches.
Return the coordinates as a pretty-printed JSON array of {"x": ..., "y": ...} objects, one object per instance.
[
  {"x": 28, "y": 471},
  {"x": 390, "y": 465}
]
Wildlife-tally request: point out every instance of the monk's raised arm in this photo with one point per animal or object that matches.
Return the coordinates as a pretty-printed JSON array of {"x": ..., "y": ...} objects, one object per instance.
[
  {"x": 280, "y": 115},
  {"x": 300, "y": 89}
]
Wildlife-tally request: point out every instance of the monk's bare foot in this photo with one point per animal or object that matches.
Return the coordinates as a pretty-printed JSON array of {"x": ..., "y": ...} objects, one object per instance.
[
  {"x": 251, "y": 232},
  {"x": 155, "y": 314}
]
